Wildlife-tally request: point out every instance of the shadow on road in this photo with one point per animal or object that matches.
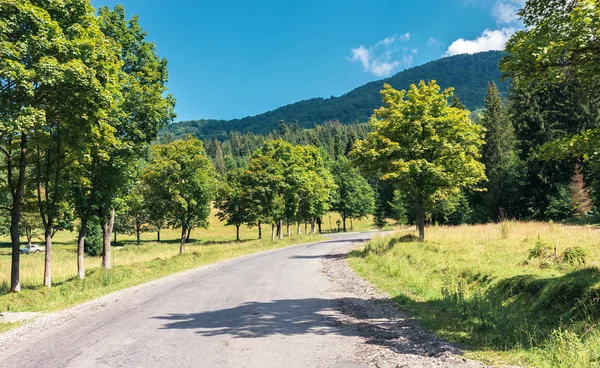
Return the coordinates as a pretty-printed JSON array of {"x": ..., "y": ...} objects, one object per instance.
[{"x": 358, "y": 317}]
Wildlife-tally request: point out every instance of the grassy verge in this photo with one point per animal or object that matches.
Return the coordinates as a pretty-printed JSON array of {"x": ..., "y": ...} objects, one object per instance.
[{"x": 477, "y": 286}]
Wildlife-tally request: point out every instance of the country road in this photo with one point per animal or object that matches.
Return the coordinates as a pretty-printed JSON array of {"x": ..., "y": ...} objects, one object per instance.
[{"x": 272, "y": 309}]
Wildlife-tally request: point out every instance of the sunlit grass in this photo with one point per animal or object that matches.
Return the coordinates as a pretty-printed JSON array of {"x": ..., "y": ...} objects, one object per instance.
[{"x": 475, "y": 285}]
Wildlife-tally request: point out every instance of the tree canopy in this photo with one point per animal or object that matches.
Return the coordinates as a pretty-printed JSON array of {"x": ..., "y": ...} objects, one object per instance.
[{"x": 427, "y": 148}]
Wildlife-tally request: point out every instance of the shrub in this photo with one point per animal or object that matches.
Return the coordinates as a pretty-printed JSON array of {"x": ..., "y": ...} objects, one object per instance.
[
  {"x": 541, "y": 251},
  {"x": 574, "y": 255},
  {"x": 93, "y": 240}
]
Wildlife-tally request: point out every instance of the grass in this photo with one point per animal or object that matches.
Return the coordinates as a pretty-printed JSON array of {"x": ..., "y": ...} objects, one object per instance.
[
  {"x": 132, "y": 264},
  {"x": 474, "y": 285}
]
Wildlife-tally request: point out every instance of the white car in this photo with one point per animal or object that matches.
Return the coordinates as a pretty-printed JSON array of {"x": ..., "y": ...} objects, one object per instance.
[{"x": 33, "y": 248}]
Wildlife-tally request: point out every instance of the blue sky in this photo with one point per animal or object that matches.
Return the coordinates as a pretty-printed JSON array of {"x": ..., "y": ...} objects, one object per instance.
[{"x": 234, "y": 58}]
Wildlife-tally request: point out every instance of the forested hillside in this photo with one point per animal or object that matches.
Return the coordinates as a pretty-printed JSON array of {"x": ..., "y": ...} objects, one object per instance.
[{"x": 468, "y": 74}]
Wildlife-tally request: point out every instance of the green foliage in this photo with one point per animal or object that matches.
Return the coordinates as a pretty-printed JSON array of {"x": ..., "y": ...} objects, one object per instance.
[
  {"x": 541, "y": 251},
  {"x": 554, "y": 62},
  {"x": 502, "y": 165},
  {"x": 287, "y": 182},
  {"x": 182, "y": 178},
  {"x": 427, "y": 148},
  {"x": 566, "y": 350},
  {"x": 93, "y": 240},
  {"x": 354, "y": 197},
  {"x": 469, "y": 74},
  {"x": 233, "y": 202},
  {"x": 575, "y": 255}
]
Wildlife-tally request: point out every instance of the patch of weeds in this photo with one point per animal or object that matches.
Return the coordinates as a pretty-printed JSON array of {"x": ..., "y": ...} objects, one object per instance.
[
  {"x": 565, "y": 349},
  {"x": 542, "y": 250},
  {"x": 575, "y": 255}
]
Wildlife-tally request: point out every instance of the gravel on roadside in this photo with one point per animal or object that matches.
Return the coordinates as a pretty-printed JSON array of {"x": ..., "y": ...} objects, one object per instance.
[{"x": 391, "y": 337}]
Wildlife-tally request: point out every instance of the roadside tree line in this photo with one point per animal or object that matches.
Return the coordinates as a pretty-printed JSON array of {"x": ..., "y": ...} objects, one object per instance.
[{"x": 82, "y": 95}]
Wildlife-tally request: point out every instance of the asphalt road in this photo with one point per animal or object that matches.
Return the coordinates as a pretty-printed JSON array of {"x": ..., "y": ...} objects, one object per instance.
[{"x": 272, "y": 309}]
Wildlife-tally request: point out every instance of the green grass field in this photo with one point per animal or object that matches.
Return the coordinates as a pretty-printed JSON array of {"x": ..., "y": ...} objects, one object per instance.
[{"x": 475, "y": 285}]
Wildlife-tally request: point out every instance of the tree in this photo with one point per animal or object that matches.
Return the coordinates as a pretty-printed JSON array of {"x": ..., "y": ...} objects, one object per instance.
[
  {"x": 266, "y": 185},
  {"x": 354, "y": 197},
  {"x": 51, "y": 76},
  {"x": 553, "y": 64},
  {"x": 499, "y": 155},
  {"x": 429, "y": 149},
  {"x": 232, "y": 203},
  {"x": 141, "y": 109},
  {"x": 135, "y": 212},
  {"x": 182, "y": 177}
]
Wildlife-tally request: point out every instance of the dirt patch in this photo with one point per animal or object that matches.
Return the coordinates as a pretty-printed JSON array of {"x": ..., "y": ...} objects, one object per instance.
[{"x": 391, "y": 337}]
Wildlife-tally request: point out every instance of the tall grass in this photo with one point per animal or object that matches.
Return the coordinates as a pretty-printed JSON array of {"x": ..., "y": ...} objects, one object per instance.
[{"x": 478, "y": 286}]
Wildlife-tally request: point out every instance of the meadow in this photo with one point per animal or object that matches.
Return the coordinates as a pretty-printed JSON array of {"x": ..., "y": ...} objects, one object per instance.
[
  {"x": 132, "y": 264},
  {"x": 509, "y": 293}
]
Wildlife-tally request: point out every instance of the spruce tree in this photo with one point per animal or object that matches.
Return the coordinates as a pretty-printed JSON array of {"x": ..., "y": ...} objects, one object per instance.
[{"x": 500, "y": 158}]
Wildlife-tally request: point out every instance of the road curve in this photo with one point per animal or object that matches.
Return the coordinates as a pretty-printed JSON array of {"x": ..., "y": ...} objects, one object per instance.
[{"x": 271, "y": 309}]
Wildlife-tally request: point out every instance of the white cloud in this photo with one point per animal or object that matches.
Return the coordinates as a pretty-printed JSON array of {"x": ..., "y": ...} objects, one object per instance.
[
  {"x": 505, "y": 11},
  {"x": 378, "y": 59},
  {"x": 505, "y": 14},
  {"x": 432, "y": 42},
  {"x": 489, "y": 40}
]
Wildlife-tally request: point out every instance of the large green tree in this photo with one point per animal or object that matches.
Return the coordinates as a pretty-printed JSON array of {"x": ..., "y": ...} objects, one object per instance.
[
  {"x": 554, "y": 65},
  {"x": 427, "y": 148},
  {"x": 182, "y": 176},
  {"x": 500, "y": 157},
  {"x": 133, "y": 122},
  {"x": 57, "y": 74}
]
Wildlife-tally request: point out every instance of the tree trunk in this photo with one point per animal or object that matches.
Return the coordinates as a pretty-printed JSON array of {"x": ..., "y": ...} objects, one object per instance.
[
  {"x": 319, "y": 222},
  {"x": 137, "y": 230},
  {"x": 289, "y": 230},
  {"x": 299, "y": 231},
  {"x": 81, "y": 249},
  {"x": 306, "y": 228},
  {"x": 183, "y": 238},
  {"x": 421, "y": 218},
  {"x": 344, "y": 222},
  {"x": 107, "y": 228},
  {"x": 115, "y": 237},
  {"x": 29, "y": 240},
  {"x": 237, "y": 232},
  {"x": 15, "y": 283},
  {"x": 259, "y": 230},
  {"x": 15, "y": 213},
  {"x": 158, "y": 234},
  {"x": 281, "y": 227},
  {"x": 189, "y": 233},
  {"x": 272, "y": 232},
  {"x": 351, "y": 224},
  {"x": 48, "y": 256}
]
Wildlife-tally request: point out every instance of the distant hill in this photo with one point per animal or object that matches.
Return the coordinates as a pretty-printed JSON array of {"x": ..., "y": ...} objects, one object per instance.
[{"x": 468, "y": 74}]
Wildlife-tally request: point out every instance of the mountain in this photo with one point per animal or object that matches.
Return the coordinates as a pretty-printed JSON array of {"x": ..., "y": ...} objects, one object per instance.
[{"x": 468, "y": 74}]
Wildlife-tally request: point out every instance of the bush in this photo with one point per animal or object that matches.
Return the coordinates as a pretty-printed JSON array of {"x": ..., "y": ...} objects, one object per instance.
[
  {"x": 541, "y": 251},
  {"x": 574, "y": 255},
  {"x": 93, "y": 240}
]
